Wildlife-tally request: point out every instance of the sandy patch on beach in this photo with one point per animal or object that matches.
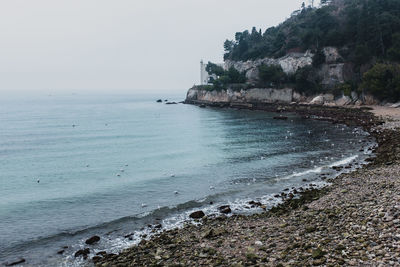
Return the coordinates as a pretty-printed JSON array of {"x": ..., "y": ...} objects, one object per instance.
[{"x": 390, "y": 115}]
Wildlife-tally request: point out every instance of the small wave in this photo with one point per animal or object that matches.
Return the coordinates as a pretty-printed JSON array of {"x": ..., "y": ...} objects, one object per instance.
[
  {"x": 315, "y": 170},
  {"x": 343, "y": 161}
]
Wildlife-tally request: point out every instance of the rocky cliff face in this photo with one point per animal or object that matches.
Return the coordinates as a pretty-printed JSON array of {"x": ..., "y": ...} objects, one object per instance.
[
  {"x": 289, "y": 63},
  {"x": 197, "y": 95},
  {"x": 331, "y": 72}
]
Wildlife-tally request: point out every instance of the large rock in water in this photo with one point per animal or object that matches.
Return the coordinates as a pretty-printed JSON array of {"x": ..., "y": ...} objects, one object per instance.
[
  {"x": 92, "y": 240},
  {"x": 83, "y": 253},
  {"x": 22, "y": 260},
  {"x": 225, "y": 209},
  {"x": 197, "y": 214}
]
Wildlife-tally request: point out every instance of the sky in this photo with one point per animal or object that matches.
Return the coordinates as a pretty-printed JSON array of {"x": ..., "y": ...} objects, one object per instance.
[{"x": 121, "y": 45}]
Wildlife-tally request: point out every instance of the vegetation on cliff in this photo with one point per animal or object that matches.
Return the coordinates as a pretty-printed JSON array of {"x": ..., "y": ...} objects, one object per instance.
[
  {"x": 365, "y": 32},
  {"x": 363, "y": 28}
]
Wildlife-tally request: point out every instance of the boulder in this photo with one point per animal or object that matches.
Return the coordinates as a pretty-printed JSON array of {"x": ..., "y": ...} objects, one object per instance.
[
  {"x": 328, "y": 97},
  {"x": 225, "y": 209},
  {"x": 318, "y": 100},
  {"x": 280, "y": 118},
  {"x": 343, "y": 101},
  {"x": 396, "y": 105},
  {"x": 358, "y": 102},
  {"x": 82, "y": 253},
  {"x": 92, "y": 240},
  {"x": 354, "y": 96},
  {"x": 197, "y": 214},
  {"x": 171, "y": 103},
  {"x": 159, "y": 101}
]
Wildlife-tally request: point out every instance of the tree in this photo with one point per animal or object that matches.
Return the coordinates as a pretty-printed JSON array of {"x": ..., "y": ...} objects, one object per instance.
[
  {"x": 271, "y": 75},
  {"x": 362, "y": 55},
  {"x": 318, "y": 58},
  {"x": 383, "y": 81},
  {"x": 228, "y": 46},
  {"x": 394, "y": 51},
  {"x": 212, "y": 68},
  {"x": 306, "y": 80},
  {"x": 235, "y": 76}
]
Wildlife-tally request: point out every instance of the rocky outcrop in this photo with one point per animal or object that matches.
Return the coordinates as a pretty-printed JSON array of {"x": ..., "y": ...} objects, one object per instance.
[
  {"x": 289, "y": 63},
  {"x": 332, "y": 72}
]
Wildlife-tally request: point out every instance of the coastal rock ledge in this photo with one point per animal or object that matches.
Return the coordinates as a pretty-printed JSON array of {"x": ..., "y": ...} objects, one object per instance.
[{"x": 247, "y": 98}]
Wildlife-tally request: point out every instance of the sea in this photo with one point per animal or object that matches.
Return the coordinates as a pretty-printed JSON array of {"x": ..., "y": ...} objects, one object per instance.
[{"x": 114, "y": 165}]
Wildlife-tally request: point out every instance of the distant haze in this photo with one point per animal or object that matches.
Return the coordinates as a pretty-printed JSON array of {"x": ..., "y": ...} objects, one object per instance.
[{"x": 121, "y": 45}]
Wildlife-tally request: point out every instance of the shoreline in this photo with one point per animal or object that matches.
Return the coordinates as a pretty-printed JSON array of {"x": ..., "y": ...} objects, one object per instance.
[{"x": 208, "y": 240}]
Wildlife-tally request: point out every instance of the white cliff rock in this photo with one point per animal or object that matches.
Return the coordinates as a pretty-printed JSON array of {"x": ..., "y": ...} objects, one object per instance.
[
  {"x": 332, "y": 55},
  {"x": 263, "y": 95},
  {"x": 289, "y": 63},
  {"x": 318, "y": 100}
]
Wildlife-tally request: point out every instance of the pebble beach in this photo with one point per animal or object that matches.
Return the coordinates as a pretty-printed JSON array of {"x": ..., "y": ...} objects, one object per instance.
[{"x": 354, "y": 221}]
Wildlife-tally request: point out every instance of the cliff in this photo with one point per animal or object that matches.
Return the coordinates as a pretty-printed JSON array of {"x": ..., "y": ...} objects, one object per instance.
[
  {"x": 247, "y": 98},
  {"x": 262, "y": 95},
  {"x": 331, "y": 72}
]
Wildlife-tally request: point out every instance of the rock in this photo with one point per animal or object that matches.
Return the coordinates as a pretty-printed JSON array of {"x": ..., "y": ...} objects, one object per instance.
[
  {"x": 258, "y": 243},
  {"x": 82, "y": 253},
  {"x": 22, "y": 260},
  {"x": 370, "y": 100},
  {"x": 298, "y": 97},
  {"x": 92, "y": 240},
  {"x": 61, "y": 252},
  {"x": 358, "y": 103},
  {"x": 396, "y": 105},
  {"x": 159, "y": 101},
  {"x": 225, "y": 209},
  {"x": 354, "y": 96},
  {"x": 252, "y": 257},
  {"x": 280, "y": 118},
  {"x": 343, "y": 101},
  {"x": 171, "y": 103},
  {"x": 318, "y": 262},
  {"x": 101, "y": 253},
  {"x": 96, "y": 259},
  {"x": 197, "y": 214},
  {"x": 318, "y": 100},
  {"x": 209, "y": 232},
  {"x": 317, "y": 253}
]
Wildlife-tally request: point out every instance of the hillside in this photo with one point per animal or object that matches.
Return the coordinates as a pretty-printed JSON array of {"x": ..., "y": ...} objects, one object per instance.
[{"x": 364, "y": 33}]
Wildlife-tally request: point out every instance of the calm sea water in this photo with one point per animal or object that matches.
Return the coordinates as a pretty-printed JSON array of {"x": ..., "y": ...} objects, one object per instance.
[{"x": 76, "y": 165}]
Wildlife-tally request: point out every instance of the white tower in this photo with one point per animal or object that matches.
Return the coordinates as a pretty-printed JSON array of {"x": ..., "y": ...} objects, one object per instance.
[{"x": 203, "y": 73}]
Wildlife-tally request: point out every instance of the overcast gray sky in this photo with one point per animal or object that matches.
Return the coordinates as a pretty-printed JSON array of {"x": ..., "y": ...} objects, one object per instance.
[{"x": 121, "y": 45}]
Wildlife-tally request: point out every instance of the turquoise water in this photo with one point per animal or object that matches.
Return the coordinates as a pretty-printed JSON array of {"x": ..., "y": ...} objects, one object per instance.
[{"x": 77, "y": 165}]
